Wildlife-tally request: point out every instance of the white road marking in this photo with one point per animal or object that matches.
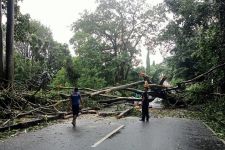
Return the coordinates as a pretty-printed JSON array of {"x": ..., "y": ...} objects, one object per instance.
[{"x": 107, "y": 136}]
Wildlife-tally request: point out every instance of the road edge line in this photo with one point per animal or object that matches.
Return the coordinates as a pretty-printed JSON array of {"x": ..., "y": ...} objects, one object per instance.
[
  {"x": 107, "y": 136},
  {"x": 207, "y": 126}
]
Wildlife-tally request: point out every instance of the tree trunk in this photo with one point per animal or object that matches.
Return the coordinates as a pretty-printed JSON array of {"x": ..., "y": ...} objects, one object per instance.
[
  {"x": 125, "y": 112},
  {"x": 148, "y": 62},
  {"x": 9, "y": 43},
  {"x": 1, "y": 46},
  {"x": 127, "y": 71},
  {"x": 128, "y": 99},
  {"x": 116, "y": 88},
  {"x": 221, "y": 54}
]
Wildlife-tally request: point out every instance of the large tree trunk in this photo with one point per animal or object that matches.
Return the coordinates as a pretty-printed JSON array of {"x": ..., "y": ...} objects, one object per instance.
[
  {"x": 127, "y": 72},
  {"x": 148, "y": 62},
  {"x": 1, "y": 46},
  {"x": 116, "y": 88},
  {"x": 9, "y": 43},
  {"x": 123, "y": 113},
  {"x": 221, "y": 53}
]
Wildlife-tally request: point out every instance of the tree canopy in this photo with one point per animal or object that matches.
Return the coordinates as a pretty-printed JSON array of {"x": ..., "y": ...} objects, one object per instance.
[
  {"x": 110, "y": 38},
  {"x": 108, "y": 43}
]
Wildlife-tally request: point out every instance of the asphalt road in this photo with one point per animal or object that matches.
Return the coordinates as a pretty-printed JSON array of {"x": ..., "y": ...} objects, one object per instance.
[{"x": 157, "y": 134}]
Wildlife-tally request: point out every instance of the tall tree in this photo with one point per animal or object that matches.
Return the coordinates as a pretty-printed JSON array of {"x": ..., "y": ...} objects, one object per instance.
[
  {"x": 9, "y": 43},
  {"x": 1, "y": 46},
  {"x": 198, "y": 33},
  {"x": 221, "y": 16},
  {"x": 35, "y": 49},
  {"x": 120, "y": 27},
  {"x": 148, "y": 62}
]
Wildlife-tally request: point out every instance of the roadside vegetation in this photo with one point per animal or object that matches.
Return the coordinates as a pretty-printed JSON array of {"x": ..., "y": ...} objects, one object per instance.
[{"x": 190, "y": 34}]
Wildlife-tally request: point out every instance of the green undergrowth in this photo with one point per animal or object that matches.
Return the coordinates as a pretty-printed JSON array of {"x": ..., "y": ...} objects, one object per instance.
[
  {"x": 176, "y": 113},
  {"x": 135, "y": 112}
]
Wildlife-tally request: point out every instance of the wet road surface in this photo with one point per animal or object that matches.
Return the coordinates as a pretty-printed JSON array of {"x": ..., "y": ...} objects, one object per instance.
[{"x": 157, "y": 134}]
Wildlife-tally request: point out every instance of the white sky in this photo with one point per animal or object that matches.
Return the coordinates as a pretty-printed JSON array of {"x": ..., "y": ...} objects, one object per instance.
[{"x": 58, "y": 15}]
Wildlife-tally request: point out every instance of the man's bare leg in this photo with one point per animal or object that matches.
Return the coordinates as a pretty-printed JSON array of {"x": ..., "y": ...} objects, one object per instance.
[{"x": 74, "y": 120}]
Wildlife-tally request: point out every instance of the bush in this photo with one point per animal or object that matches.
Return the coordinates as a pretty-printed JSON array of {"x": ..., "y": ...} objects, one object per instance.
[
  {"x": 198, "y": 93},
  {"x": 61, "y": 78}
]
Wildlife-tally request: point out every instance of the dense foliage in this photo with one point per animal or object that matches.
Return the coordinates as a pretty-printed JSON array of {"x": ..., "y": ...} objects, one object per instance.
[
  {"x": 195, "y": 32},
  {"x": 108, "y": 40},
  {"x": 195, "y": 35},
  {"x": 36, "y": 50}
]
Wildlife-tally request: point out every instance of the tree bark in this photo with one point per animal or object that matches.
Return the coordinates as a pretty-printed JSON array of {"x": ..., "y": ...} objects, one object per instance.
[
  {"x": 127, "y": 72},
  {"x": 116, "y": 88},
  {"x": 9, "y": 43},
  {"x": 115, "y": 103},
  {"x": 162, "y": 80},
  {"x": 123, "y": 113},
  {"x": 105, "y": 114},
  {"x": 30, "y": 123},
  {"x": 204, "y": 74},
  {"x": 134, "y": 90},
  {"x": 1, "y": 46},
  {"x": 221, "y": 54},
  {"x": 131, "y": 99},
  {"x": 148, "y": 62}
]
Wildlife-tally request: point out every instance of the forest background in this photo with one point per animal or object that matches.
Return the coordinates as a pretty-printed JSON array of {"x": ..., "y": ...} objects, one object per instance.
[{"x": 108, "y": 41}]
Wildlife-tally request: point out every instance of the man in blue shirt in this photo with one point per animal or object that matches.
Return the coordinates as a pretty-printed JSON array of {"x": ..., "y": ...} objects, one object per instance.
[{"x": 75, "y": 102}]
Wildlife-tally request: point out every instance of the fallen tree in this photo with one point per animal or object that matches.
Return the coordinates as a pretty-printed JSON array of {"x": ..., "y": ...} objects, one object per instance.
[
  {"x": 30, "y": 123},
  {"x": 13, "y": 105},
  {"x": 105, "y": 114},
  {"x": 129, "y": 99},
  {"x": 116, "y": 88},
  {"x": 105, "y": 105},
  {"x": 123, "y": 113},
  {"x": 204, "y": 74},
  {"x": 134, "y": 90}
]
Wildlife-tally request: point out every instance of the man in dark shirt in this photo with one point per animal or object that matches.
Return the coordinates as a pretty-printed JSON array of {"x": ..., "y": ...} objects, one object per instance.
[
  {"x": 75, "y": 103},
  {"x": 145, "y": 104}
]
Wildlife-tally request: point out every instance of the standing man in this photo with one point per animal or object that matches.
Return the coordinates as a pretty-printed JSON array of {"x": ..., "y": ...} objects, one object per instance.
[
  {"x": 145, "y": 104},
  {"x": 75, "y": 103}
]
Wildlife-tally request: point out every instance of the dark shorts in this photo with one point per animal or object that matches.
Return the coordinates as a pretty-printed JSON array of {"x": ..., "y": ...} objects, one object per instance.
[{"x": 75, "y": 109}]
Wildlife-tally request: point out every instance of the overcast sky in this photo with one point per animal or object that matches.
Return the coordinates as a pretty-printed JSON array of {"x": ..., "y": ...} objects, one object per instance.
[{"x": 58, "y": 15}]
